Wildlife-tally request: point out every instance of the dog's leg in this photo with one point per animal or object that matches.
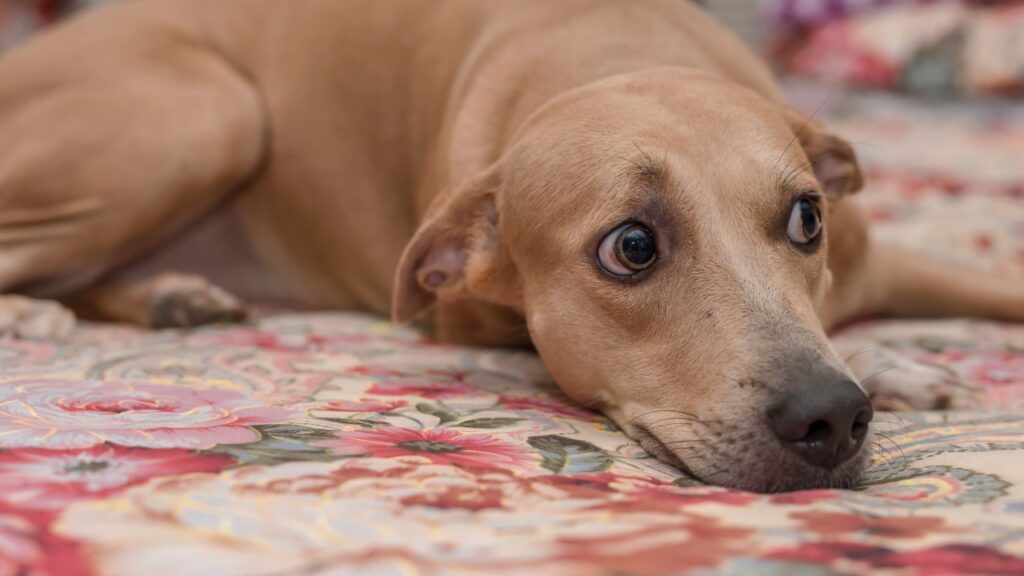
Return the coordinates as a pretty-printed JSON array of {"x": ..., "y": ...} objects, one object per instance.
[
  {"x": 907, "y": 284},
  {"x": 895, "y": 382},
  {"x": 30, "y": 319},
  {"x": 168, "y": 300},
  {"x": 116, "y": 131},
  {"x": 896, "y": 282}
]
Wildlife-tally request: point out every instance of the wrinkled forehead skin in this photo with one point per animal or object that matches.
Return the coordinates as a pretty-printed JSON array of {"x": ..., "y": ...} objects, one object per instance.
[
  {"x": 702, "y": 161},
  {"x": 713, "y": 170},
  {"x": 700, "y": 152}
]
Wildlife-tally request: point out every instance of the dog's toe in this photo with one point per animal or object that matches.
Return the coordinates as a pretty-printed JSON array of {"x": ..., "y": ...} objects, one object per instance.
[
  {"x": 30, "y": 319},
  {"x": 186, "y": 302},
  {"x": 897, "y": 383}
]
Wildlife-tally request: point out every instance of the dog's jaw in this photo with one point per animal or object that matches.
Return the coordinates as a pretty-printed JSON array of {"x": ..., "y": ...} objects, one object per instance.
[{"x": 760, "y": 465}]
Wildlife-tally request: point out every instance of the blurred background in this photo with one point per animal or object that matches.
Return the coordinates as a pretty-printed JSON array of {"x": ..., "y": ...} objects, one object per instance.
[
  {"x": 928, "y": 47},
  {"x": 937, "y": 48}
]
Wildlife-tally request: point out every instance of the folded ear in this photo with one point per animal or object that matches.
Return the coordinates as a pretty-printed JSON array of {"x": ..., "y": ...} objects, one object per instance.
[
  {"x": 456, "y": 252},
  {"x": 833, "y": 159}
]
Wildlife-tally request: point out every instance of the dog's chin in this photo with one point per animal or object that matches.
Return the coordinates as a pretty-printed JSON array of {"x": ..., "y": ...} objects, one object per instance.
[
  {"x": 763, "y": 466},
  {"x": 790, "y": 473}
]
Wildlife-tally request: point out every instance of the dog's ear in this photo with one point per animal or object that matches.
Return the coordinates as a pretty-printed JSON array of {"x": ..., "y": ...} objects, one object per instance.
[
  {"x": 833, "y": 159},
  {"x": 456, "y": 253}
]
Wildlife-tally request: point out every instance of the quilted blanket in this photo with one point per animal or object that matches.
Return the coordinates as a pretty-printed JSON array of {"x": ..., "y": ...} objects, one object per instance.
[{"x": 332, "y": 443}]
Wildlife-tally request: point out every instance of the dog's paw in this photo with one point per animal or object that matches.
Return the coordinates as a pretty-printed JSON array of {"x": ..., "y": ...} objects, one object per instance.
[
  {"x": 896, "y": 383},
  {"x": 31, "y": 319},
  {"x": 181, "y": 301}
]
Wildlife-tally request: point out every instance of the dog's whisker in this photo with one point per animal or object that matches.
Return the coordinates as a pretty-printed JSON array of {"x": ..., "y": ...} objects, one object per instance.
[
  {"x": 870, "y": 144},
  {"x": 789, "y": 175},
  {"x": 889, "y": 457},
  {"x": 895, "y": 444},
  {"x": 860, "y": 351},
  {"x": 806, "y": 123},
  {"x": 893, "y": 420},
  {"x": 682, "y": 415},
  {"x": 882, "y": 453},
  {"x": 636, "y": 165},
  {"x": 671, "y": 422},
  {"x": 679, "y": 413},
  {"x": 666, "y": 410},
  {"x": 685, "y": 441},
  {"x": 877, "y": 374}
]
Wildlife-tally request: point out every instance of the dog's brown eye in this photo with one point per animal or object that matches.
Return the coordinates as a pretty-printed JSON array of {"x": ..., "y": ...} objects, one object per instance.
[
  {"x": 805, "y": 225},
  {"x": 629, "y": 249}
]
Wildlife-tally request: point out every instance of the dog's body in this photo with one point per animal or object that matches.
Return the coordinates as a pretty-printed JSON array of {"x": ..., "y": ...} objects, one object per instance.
[{"x": 296, "y": 150}]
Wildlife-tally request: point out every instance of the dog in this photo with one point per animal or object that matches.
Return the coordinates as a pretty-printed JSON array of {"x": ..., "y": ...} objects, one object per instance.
[{"x": 619, "y": 185}]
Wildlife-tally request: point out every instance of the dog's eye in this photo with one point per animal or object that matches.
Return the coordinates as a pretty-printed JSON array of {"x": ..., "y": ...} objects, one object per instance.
[
  {"x": 628, "y": 250},
  {"x": 804, "y": 226}
]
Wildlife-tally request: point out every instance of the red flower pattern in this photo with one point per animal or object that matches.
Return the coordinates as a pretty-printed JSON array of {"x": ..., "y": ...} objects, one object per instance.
[
  {"x": 362, "y": 405},
  {"x": 431, "y": 390},
  {"x": 52, "y": 479},
  {"x": 545, "y": 404},
  {"x": 438, "y": 445},
  {"x": 285, "y": 485}
]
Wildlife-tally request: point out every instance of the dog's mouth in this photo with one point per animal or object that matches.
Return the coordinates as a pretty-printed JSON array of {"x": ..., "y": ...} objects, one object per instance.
[
  {"x": 655, "y": 447},
  {"x": 752, "y": 464}
]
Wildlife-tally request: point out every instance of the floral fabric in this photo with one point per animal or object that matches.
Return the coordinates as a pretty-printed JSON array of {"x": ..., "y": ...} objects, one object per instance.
[
  {"x": 338, "y": 444},
  {"x": 334, "y": 444},
  {"x": 937, "y": 48},
  {"x": 796, "y": 13}
]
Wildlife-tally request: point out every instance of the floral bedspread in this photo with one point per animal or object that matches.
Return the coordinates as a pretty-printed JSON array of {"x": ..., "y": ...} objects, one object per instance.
[{"x": 335, "y": 443}]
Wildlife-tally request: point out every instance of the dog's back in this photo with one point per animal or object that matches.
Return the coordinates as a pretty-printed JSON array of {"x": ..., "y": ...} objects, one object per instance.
[{"x": 337, "y": 121}]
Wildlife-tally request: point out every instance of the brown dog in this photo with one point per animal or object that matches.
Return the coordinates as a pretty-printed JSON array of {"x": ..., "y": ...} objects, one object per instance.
[{"x": 618, "y": 183}]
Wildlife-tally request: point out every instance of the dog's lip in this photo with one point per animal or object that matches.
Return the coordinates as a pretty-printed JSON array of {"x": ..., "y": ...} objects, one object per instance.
[
  {"x": 657, "y": 448},
  {"x": 654, "y": 445}
]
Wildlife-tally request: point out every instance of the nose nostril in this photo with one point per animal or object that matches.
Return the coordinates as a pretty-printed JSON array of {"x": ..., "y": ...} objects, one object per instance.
[
  {"x": 858, "y": 431},
  {"x": 860, "y": 425},
  {"x": 824, "y": 426},
  {"x": 818, "y": 431}
]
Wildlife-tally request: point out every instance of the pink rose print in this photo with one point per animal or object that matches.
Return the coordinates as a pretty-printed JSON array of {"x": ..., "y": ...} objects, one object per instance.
[
  {"x": 431, "y": 390},
  {"x": 956, "y": 559},
  {"x": 805, "y": 497},
  {"x": 439, "y": 445},
  {"x": 838, "y": 523},
  {"x": 66, "y": 414},
  {"x": 950, "y": 559},
  {"x": 363, "y": 405},
  {"x": 282, "y": 342},
  {"x": 547, "y": 405},
  {"x": 374, "y": 370},
  {"x": 996, "y": 369},
  {"x": 19, "y": 546},
  {"x": 27, "y": 546},
  {"x": 51, "y": 479}
]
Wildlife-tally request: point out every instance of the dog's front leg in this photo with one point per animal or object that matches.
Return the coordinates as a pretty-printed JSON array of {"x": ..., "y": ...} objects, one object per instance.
[
  {"x": 167, "y": 300},
  {"x": 117, "y": 130},
  {"x": 31, "y": 319},
  {"x": 892, "y": 281},
  {"x": 895, "y": 382}
]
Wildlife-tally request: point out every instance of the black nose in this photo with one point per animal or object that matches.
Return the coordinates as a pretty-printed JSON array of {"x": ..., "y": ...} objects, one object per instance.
[{"x": 825, "y": 421}]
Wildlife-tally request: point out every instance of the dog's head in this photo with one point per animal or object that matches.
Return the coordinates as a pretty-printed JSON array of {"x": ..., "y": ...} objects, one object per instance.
[{"x": 663, "y": 234}]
